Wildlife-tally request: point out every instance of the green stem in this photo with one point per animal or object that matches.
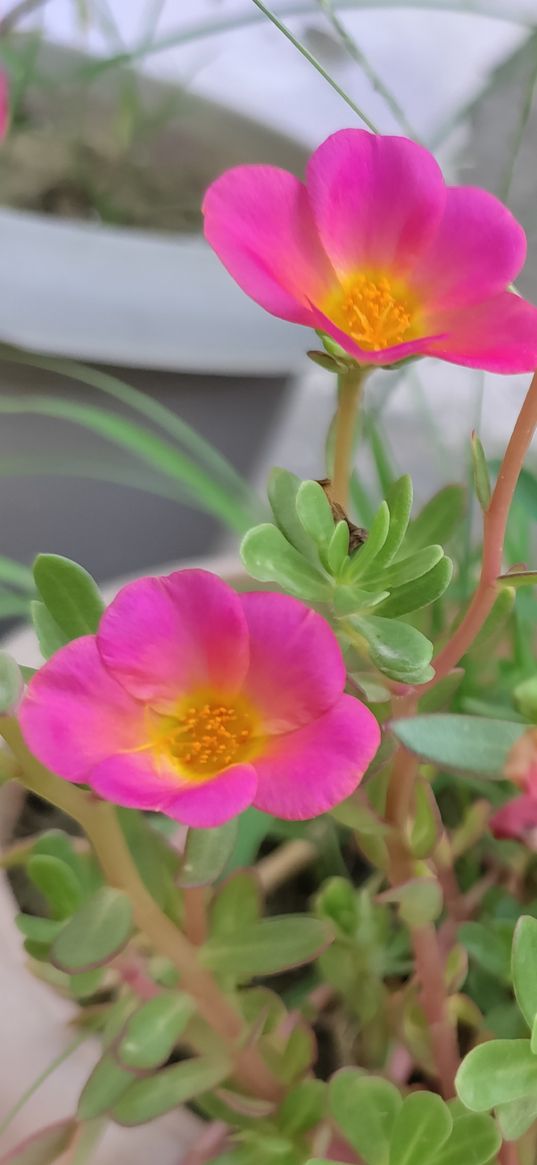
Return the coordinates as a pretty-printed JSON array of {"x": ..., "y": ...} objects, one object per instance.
[
  {"x": 313, "y": 61},
  {"x": 350, "y": 386},
  {"x": 99, "y": 821}
]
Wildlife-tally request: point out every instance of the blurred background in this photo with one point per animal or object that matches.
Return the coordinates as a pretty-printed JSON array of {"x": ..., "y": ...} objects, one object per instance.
[{"x": 121, "y": 113}]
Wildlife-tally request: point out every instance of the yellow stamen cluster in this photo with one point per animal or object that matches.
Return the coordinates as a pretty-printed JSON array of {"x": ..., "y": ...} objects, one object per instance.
[
  {"x": 208, "y": 737},
  {"x": 375, "y": 313}
]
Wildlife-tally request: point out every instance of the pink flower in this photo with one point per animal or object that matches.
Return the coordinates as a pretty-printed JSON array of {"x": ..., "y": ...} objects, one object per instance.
[
  {"x": 377, "y": 252},
  {"x": 517, "y": 819},
  {"x": 197, "y": 701},
  {"x": 4, "y": 105}
]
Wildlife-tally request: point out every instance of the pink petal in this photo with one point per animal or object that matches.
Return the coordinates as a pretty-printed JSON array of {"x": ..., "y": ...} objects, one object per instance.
[
  {"x": 134, "y": 779},
  {"x": 381, "y": 356},
  {"x": 75, "y": 714},
  {"x": 499, "y": 335},
  {"x": 306, "y": 772},
  {"x": 162, "y": 637},
  {"x": 516, "y": 819},
  {"x": 296, "y": 667},
  {"x": 479, "y": 248},
  {"x": 377, "y": 201},
  {"x": 258, "y": 220},
  {"x": 206, "y": 805}
]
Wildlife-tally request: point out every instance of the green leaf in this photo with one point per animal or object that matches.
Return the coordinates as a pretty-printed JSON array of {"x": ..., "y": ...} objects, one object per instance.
[
  {"x": 399, "y": 500},
  {"x": 480, "y": 473},
  {"x": 516, "y": 1117},
  {"x": 44, "y": 1147},
  {"x": 207, "y": 853},
  {"x": 525, "y": 697},
  {"x": 488, "y": 947},
  {"x": 283, "y": 487},
  {"x": 103, "y": 1088},
  {"x": 496, "y": 1073},
  {"x": 337, "y": 901},
  {"x": 49, "y": 636},
  {"x": 56, "y": 882},
  {"x": 156, "y": 861},
  {"x": 365, "y": 1109},
  {"x": 412, "y": 596},
  {"x": 267, "y": 947},
  {"x": 268, "y": 557},
  {"x": 303, "y": 1108},
  {"x": 39, "y": 930},
  {"x": 469, "y": 744},
  {"x": 350, "y": 600},
  {"x": 397, "y": 649},
  {"x": 95, "y": 934},
  {"x": 524, "y": 967},
  {"x": 427, "y": 824},
  {"x": 146, "y": 1099},
  {"x": 314, "y": 512},
  {"x": 362, "y": 559},
  {"x": 11, "y": 684},
  {"x": 86, "y": 984},
  {"x": 438, "y": 520},
  {"x": 420, "y": 900},
  {"x": 253, "y": 827},
  {"x": 406, "y": 570},
  {"x": 236, "y": 905},
  {"x": 151, "y": 1032},
  {"x": 421, "y": 1127},
  {"x": 519, "y": 578},
  {"x": 297, "y": 1056},
  {"x": 58, "y": 844},
  {"x": 69, "y": 593},
  {"x": 473, "y": 1140},
  {"x": 338, "y": 548}
]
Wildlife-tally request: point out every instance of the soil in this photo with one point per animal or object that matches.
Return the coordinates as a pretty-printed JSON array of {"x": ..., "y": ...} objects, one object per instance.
[{"x": 121, "y": 149}]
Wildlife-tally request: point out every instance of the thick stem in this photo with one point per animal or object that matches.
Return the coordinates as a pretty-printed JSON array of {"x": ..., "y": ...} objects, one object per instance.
[
  {"x": 195, "y": 921},
  {"x": 425, "y": 939},
  {"x": 494, "y": 526},
  {"x": 349, "y": 392},
  {"x": 99, "y": 821},
  {"x": 430, "y": 972},
  {"x": 508, "y": 1154}
]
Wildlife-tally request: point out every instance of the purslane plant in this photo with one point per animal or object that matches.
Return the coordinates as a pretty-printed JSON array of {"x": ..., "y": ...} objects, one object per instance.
[{"x": 354, "y": 726}]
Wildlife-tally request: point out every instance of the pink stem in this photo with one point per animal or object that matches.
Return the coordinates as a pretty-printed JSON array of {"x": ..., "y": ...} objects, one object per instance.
[{"x": 494, "y": 526}]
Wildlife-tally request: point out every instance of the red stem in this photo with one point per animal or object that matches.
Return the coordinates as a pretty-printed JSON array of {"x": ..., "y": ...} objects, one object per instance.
[
  {"x": 494, "y": 526},
  {"x": 430, "y": 972}
]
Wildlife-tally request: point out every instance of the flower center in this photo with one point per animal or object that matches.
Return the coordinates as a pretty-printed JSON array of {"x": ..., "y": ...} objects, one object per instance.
[
  {"x": 376, "y": 311},
  {"x": 208, "y": 736}
]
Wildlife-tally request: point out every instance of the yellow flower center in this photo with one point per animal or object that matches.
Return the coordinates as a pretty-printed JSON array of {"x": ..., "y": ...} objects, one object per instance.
[
  {"x": 207, "y": 735},
  {"x": 376, "y": 310}
]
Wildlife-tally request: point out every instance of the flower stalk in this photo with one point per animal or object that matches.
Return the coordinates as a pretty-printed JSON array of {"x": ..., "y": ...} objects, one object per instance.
[{"x": 350, "y": 388}]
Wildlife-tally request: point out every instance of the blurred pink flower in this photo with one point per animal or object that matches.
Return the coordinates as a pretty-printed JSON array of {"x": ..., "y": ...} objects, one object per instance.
[
  {"x": 378, "y": 253},
  {"x": 4, "y": 105},
  {"x": 197, "y": 701},
  {"x": 518, "y": 818}
]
